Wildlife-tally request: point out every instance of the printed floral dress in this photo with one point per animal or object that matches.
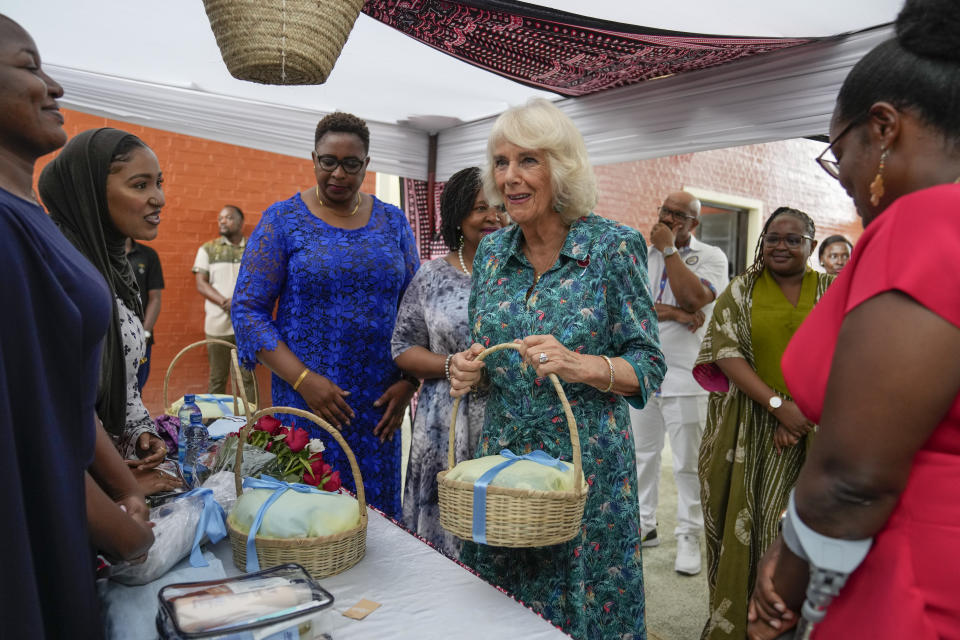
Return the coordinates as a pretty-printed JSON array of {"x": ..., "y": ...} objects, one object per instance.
[
  {"x": 336, "y": 292},
  {"x": 138, "y": 420},
  {"x": 433, "y": 315},
  {"x": 594, "y": 300}
]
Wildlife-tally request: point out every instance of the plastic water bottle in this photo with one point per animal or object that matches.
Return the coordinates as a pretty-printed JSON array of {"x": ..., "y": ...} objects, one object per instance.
[
  {"x": 188, "y": 409},
  {"x": 195, "y": 441}
]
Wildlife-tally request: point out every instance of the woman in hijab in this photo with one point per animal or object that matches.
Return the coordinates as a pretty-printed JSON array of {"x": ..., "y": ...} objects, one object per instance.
[{"x": 105, "y": 187}]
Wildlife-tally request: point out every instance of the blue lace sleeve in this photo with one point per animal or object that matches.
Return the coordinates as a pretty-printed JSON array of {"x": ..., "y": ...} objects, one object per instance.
[
  {"x": 634, "y": 328},
  {"x": 262, "y": 277},
  {"x": 409, "y": 247}
]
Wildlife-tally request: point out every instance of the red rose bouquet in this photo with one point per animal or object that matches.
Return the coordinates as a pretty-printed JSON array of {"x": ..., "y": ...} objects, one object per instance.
[{"x": 299, "y": 457}]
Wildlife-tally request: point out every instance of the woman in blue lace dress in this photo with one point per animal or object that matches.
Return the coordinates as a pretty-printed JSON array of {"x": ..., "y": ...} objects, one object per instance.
[
  {"x": 335, "y": 262},
  {"x": 571, "y": 287},
  {"x": 431, "y": 326}
]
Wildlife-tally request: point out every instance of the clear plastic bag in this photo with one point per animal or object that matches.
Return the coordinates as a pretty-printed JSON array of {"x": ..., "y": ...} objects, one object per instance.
[
  {"x": 283, "y": 600},
  {"x": 175, "y": 525},
  {"x": 255, "y": 459}
]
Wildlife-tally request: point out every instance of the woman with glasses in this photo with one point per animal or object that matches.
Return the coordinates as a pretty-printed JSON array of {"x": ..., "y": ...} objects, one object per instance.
[
  {"x": 755, "y": 439},
  {"x": 876, "y": 364},
  {"x": 335, "y": 263},
  {"x": 431, "y": 326}
]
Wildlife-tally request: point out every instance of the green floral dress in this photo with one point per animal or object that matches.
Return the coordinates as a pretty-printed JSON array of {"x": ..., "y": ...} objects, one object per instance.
[{"x": 594, "y": 300}]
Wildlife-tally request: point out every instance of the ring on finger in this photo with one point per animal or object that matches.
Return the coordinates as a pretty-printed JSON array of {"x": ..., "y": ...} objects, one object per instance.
[{"x": 543, "y": 358}]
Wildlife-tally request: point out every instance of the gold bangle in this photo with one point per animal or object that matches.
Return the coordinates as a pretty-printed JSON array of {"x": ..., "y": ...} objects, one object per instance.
[
  {"x": 296, "y": 385},
  {"x": 609, "y": 364}
]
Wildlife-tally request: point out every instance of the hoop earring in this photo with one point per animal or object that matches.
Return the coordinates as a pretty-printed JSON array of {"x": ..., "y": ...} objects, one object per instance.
[{"x": 876, "y": 187}]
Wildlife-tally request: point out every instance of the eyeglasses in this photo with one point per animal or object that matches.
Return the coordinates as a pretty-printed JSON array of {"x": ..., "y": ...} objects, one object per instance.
[
  {"x": 350, "y": 164},
  {"x": 679, "y": 216},
  {"x": 832, "y": 167},
  {"x": 793, "y": 240}
]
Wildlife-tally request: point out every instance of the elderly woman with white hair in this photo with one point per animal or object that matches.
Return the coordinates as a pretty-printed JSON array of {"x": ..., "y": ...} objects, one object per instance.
[{"x": 569, "y": 286}]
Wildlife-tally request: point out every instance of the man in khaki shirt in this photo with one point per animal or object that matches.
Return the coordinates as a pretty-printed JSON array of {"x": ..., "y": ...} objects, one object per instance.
[{"x": 217, "y": 267}]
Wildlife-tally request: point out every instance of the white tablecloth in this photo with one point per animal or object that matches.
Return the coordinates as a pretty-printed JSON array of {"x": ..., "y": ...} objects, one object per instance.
[{"x": 423, "y": 595}]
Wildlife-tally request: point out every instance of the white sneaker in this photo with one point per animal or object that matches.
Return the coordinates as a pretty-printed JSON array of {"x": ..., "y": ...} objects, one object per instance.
[
  {"x": 650, "y": 539},
  {"x": 688, "y": 555}
]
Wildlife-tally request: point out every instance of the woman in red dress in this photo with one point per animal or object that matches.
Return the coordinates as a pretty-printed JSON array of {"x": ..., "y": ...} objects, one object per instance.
[{"x": 886, "y": 462}]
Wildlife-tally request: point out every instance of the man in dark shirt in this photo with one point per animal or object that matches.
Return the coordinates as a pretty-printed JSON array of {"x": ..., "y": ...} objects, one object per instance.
[{"x": 149, "y": 275}]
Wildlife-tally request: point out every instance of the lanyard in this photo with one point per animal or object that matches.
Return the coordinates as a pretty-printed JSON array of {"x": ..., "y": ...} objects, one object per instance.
[{"x": 663, "y": 276}]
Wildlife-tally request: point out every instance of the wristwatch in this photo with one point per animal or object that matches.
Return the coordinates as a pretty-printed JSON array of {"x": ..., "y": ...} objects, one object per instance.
[
  {"x": 775, "y": 402},
  {"x": 147, "y": 334},
  {"x": 669, "y": 251}
]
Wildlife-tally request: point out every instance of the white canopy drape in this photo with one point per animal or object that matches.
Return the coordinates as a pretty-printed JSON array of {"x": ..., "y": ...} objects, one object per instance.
[{"x": 158, "y": 65}]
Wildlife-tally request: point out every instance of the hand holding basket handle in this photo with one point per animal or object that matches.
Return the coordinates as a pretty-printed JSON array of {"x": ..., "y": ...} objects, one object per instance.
[
  {"x": 466, "y": 369},
  {"x": 546, "y": 355},
  {"x": 476, "y": 354}
]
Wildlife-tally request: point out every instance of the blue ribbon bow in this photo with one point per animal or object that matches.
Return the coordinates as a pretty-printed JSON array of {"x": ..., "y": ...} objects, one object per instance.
[
  {"x": 225, "y": 407},
  {"x": 481, "y": 483},
  {"x": 213, "y": 524},
  {"x": 279, "y": 488}
]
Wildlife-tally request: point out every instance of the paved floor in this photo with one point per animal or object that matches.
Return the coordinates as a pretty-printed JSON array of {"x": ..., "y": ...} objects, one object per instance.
[{"x": 676, "y": 604}]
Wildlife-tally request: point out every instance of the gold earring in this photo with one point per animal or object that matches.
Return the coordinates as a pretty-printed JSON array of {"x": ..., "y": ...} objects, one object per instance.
[{"x": 876, "y": 187}]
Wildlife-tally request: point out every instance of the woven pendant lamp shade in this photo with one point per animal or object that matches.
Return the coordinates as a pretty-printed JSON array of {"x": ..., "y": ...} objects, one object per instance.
[{"x": 281, "y": 41}]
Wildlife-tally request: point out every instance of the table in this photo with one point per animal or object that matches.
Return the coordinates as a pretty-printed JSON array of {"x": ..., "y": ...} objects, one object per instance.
[{"x": 423, "y": 594}]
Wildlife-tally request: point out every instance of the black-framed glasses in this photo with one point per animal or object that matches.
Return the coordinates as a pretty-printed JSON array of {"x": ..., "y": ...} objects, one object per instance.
[
  {"x": 792, "y": 240},
  {"x": 350, "y": 164},
  {"x": 832, "y": 167},
  {"x": 677, "y": 215}
]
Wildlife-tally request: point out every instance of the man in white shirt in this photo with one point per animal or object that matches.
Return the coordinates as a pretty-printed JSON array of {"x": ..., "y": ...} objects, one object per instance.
[
  {"x": 217, "y": 267},
  {"x": 686, "y": 276}
]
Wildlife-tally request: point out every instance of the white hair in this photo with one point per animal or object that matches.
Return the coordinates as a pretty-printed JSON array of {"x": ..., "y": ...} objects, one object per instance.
[{"x": 541, "y": 126}]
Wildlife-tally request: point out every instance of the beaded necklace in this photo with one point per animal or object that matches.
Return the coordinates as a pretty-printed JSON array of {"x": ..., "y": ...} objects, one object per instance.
[{"x": 463, "y": 265}]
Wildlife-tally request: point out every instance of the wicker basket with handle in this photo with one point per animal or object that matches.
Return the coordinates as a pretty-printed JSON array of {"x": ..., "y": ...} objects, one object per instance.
[
  {"x": 236, "y": 384},
  {"x": 321, "y": 556},
  {"x": 515, "y": 517},
  {"x": 281, "y": 41}
]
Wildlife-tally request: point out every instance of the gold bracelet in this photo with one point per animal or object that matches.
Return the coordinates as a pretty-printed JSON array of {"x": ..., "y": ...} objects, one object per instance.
[
  {"x": 609, "y": 364},
  {"x": 296, "y": 385}
]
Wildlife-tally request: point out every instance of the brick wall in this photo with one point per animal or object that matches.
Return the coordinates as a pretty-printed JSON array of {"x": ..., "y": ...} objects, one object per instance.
[
  {"x": 778, "y": 174},
  {"x": 200, "y": 177}
]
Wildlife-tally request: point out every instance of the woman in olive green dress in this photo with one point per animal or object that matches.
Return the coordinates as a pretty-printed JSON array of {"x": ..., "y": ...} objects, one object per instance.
[{"x": 755, "y": 439}]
